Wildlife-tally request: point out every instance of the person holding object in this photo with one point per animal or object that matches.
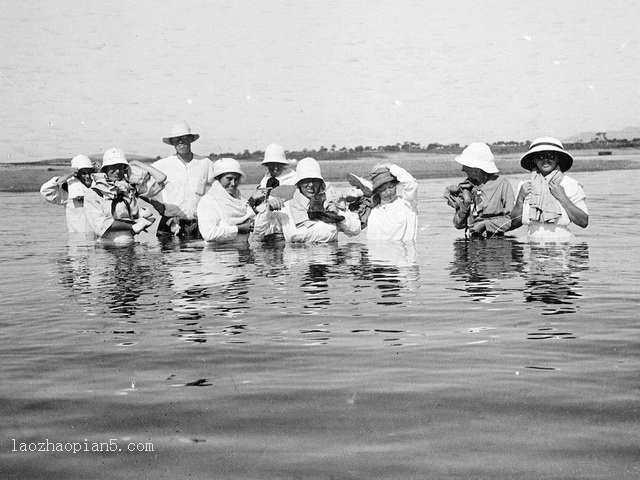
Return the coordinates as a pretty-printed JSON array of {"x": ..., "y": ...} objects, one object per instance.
[
  {"x": 280, "y": 173},
  {"x": 315, "y": 214},
  {"x": 392, "y": 217},
  {"x": 189, "y": 178},
  {"x": 69, "y": 190},
  {"x": 223, "y": 214},
  {"x": 550, "y": 200},
  {"x": 483, "y": 202},
  {"x": 111, "y": 204}
]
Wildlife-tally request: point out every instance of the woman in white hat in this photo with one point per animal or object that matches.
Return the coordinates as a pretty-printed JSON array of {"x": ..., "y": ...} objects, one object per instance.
[
  {"x": 223, "y": 214},
  {"x": 392, "y": 217},
  {"x": 550, "y": 200},
  {"x": 484, "y": 201},
  {"x": 314, "y": 214},
  {"x": 189, "y": 177},
  {"x": 69, "y": 190},
  {"x": 111, "y": 204}
]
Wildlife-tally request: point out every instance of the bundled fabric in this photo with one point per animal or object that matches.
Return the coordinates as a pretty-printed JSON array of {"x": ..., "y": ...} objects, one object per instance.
[{"x": 543, "y": 207}]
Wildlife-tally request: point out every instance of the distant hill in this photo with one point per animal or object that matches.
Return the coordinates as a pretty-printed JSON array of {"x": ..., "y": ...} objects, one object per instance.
[{"x": 628, "y": 133}]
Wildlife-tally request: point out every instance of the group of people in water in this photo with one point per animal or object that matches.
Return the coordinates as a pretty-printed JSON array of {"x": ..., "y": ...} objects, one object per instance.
[{"x": 197, "y": 198}]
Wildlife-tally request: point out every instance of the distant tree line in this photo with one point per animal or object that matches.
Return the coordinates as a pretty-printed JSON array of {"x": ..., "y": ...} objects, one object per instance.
[{"x": 342, "y": 153}]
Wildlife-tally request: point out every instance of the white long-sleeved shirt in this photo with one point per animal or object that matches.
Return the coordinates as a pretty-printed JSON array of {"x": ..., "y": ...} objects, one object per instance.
[
  {"x": 213, "y": 224},
  {"x": 398, "y": 220},
  {"x": 72, "y": 197},
  {"x": 186, "y": 184},
  {"x": 312, "y": 231}
]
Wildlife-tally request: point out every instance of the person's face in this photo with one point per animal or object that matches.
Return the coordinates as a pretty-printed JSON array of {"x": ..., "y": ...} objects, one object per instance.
[
  {"x": 546, "y": 162},
  {"x": 387, "y": 192},
  {"x": 476, "y": 175},
  {"x": 182, "y": 144},
  {"x": 275, "y": 169},
  {"x": 310, "y": 187},
  {"x": 84, "y": 175},
  {"x": 116, "y": 172},
  {"x": 230, "y": 182}
]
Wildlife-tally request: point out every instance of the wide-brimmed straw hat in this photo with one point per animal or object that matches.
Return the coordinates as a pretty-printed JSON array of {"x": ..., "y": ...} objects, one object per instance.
[
  {"x": 226, "y": 165},
  {"x": 478, "y": 155},
  {"x": 274, "y": 153},
  {"x": 308, "y": 168},
  {"x": 113, "y": 156},
  {"x": 179, "y": 129},
  {"x": 546, "y": 144},
  {"x": 81, "y": 161}
]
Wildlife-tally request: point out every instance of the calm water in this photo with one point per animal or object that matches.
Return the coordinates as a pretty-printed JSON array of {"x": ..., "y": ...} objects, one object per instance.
[{"x": 453, "y": 359}]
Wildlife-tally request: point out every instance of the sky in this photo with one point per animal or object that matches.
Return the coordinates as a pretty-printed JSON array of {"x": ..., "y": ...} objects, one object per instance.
[{"x": 81, "y": 77}]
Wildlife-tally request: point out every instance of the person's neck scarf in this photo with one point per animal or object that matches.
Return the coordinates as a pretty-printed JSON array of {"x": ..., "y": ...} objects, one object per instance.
[
  {"x": 543, "y": 207},
  {"x": 234, "y": 209}
]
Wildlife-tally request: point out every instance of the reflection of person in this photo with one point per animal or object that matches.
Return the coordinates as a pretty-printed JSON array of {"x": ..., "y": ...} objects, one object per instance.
[
  {"x": 550, "y": 200},
  {"x": 69, "y": 190},
  {"x": 314, "y": 214},
  {"x": 222, "y": 213},
  {"x": 111, "y": 204},
  {"x": 393, "y": 217},
  {"x": 552, "y": 275},
  {"x": 481, "y": 264},
  {"x": 189, "y": 177},
  {"x": 484, "y": 201}
]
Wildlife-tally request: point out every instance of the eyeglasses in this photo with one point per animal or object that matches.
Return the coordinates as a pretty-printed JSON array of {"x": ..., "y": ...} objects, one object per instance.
[
  {"x": 86, "y": 171},
  {"x": 545, "y": 156}
]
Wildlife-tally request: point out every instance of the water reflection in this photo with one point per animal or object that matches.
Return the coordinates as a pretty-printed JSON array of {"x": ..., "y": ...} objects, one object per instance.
[
  {"x": 207, "y": 285},
  {"x": 551, "y": 272},
  {"x": 482, "y": 263},
  {"x": 552, "y": 275},
  {"x": 113, "y": 277}
]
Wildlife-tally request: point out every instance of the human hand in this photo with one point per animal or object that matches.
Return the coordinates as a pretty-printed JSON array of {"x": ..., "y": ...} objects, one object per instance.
[
  {"x": 525, "y": 190},
  {"x": 478, "y": 228},
  {"x": 275, "y": 203},
  {"x": 246, "y": 226},
  {"x": 556, "y": 189},
  {"x": 142, "y": 224}
]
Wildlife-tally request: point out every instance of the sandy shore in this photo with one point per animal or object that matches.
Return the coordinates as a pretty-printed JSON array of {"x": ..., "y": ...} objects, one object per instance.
[{"x": 29, "y": 178}]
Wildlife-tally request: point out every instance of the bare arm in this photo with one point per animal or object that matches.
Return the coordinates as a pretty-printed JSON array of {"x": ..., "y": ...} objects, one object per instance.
[{"x": 576, "y": 215}]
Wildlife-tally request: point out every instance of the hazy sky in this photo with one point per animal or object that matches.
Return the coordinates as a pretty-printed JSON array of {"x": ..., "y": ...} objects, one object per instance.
[{"x": 83, "y": 76}]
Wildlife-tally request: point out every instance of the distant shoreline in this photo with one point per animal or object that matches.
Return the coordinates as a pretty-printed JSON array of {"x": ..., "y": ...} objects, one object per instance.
[{"x": 29, "y": 177}]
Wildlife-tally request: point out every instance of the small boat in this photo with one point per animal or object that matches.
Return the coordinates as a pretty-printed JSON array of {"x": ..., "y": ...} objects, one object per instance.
[{"x": 605, "y": 152}]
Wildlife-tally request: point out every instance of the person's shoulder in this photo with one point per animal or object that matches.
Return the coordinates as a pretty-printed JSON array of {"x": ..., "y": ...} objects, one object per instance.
[
  {"x": 202, "y": 159},
  {"x": 164, "y": 161}
]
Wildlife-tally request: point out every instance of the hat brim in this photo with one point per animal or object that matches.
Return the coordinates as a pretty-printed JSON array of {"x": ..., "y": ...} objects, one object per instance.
[
  {"x": 167, "y": 140},
  {"x": 280, "y": 161},
  {"x": 565, "y": 161},
  {"x": 486, "y": 168}
]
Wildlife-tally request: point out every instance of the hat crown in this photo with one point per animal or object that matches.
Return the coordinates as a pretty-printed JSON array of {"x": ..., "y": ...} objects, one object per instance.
[
  {"x": 179, "y": 129},
  {"x": 274, "y": 153},
  {"x": 226, "y": 165},
  {"x": 546, "y": 141},
  {"x": 380, "y": 176},
  {"x": 81, "y": 161},
  {"x": 308, "y": 168},
  {"x": 114, "y": 156},
  {"x": 478, "y": 155}
]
